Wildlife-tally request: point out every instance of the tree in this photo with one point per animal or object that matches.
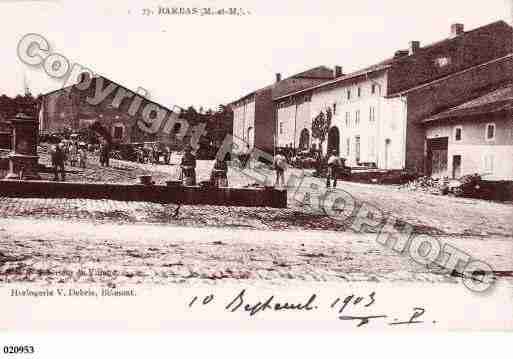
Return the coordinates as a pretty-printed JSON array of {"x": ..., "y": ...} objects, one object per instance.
[{"x": 321, "y": 125}]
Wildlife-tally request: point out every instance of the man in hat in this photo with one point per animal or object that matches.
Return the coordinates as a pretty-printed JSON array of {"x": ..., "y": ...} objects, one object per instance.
[
  {"x": 334, "y": 165},
  {"x": 57, "y": 155}
]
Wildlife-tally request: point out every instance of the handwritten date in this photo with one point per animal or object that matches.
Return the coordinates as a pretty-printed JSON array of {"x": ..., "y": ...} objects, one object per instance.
[{"x": 344, "y": 307}]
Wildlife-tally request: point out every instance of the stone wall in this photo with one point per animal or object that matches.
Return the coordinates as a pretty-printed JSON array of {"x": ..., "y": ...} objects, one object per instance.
[
  {"x": 445, "y": 94},
  {"x": 75, "y": 107},
  {"x": 450, "y": 56},
  {"x": 159, "y": 194}
]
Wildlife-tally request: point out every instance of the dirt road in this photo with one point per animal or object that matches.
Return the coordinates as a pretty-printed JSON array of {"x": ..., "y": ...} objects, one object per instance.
[{"x": 44, "y": 251}]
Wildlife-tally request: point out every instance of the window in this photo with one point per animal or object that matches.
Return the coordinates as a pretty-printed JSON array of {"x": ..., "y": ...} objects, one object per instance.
[
  {"x": 348, "y": 146},
  {"x": 118, "y": 132},
  {"x": 357, "y": 148},
  {"x": 372, "y": 114},
  {"x": 457, "y": 134},
  {"x": 348, "y": 94},
  {"x": 357, "y": 118},
  {"x": 490, "y": 131},
  {"x": 281, "y": 128},
  {"x": 348, "y": 119},
  {"x": 373, "y": 89},
  {"x": 359, "y": 92},
  {"x": 177, "y": 127},
  {"x": 335, "y": 108}
]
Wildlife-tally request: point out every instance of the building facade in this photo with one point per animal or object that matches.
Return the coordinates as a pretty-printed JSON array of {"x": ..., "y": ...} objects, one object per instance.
[
  {"x": 254, "y": 122},
  {"x": 294, "y": 121},
  {"x": 120, "y": 112},
  {"x": 474, "y": 137},
  {"x": 377, "y": 112}
]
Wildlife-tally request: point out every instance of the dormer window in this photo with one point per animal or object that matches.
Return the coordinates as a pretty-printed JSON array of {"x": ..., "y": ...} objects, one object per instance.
[{"x": 443, "y": 61}]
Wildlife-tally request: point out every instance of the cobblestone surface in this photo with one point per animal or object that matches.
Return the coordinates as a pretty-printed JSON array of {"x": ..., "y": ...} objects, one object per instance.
[
  {"x": 426, "y": 212},
  {"x": 40, "y": 239},
  {"x": 118, "y": 172},
  {"x": 56, "y": 251}
]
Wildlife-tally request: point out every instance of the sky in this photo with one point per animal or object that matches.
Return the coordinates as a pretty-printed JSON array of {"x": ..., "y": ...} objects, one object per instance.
[{"x": 209, "y": 60}]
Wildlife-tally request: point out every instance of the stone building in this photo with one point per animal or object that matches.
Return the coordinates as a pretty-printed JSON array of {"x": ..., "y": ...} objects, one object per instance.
[
  {"x": 127, "y": 116},
  {"x": 253, "y": 115},
  {"x": 474, "y": 137},
  {"x": 378, "y": 111}
]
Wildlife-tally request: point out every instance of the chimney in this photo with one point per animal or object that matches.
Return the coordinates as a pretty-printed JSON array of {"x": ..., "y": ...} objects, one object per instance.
[
  {"x": 338, "y": 71},
  {"x": 457, "y": 30},
  {"x": 401, "y": 53},
  {"x": 278, "y": 77},
  {"x": 414, "y": 46}
]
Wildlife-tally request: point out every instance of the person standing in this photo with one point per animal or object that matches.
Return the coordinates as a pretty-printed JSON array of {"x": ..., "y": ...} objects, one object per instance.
[
  {"x": 57, "y": 155},
  {"x": 280, "y": 163},
  {"x": 167, "y": 155},
  {"x": 73, "y": 154},
  {"x": 101, "y": 152},
  {"x": 104, "y": 155},
  {"x": 334, "y": 165},
  {"x": 219, "y": 174},
  {"x": 188, "y": 166},
  {"x": 155, "y": 154},
  {"x": 82, "y": 156}
]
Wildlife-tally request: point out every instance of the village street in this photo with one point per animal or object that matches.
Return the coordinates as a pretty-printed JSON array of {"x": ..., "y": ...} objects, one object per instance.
[
  {"x": 53, "y": 251},
  {"x": 43, "y": 240}
]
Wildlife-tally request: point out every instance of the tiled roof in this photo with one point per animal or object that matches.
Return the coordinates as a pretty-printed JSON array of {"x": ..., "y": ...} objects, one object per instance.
[
  {"x": 423, "y": 51},
  {"x": 496, "y": 101},
  {"x": 96, "y": 76},
  {"x": 374, "y": 68},
  {"x": 296, "y": 82}
]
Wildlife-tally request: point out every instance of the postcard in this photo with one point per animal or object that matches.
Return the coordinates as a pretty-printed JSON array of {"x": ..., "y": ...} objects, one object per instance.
[{"x": 244, "y": 166}]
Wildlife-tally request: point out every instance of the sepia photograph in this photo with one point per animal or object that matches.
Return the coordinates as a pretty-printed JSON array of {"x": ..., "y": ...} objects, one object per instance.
[{"x": 255, "y": 167}]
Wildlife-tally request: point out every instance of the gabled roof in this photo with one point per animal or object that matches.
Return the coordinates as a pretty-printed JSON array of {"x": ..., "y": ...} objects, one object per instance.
[
  {"x": 300, "y": 80},
  {"x": 499, "y": 100},
  {"x": 96, "y": 76},
  {"x": 452, "y": 75},
  {"x": 371, "y": 69},
  {"x": 423, "y": 51}
]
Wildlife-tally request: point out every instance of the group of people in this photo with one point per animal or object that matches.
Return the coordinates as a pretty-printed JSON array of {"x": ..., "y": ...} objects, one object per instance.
[
  {"x": 218, "y": 175},
  {"x": 335, "y": 164},
  {"x": 72, "y": 152}
]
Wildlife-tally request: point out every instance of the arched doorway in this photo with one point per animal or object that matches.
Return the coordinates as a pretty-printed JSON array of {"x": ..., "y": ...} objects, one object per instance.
[
  {"x": 250, "y": 138},
  {"x": 334, "y": 140},
  {"x": 304, "y": 140}
]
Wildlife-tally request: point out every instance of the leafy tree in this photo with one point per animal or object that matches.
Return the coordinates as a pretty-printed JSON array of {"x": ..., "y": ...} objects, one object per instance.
[{"x": 321, "y": 125}]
